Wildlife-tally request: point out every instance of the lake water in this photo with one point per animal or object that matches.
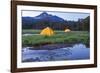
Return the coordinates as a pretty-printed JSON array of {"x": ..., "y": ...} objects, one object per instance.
[{"x": 76, "y": 52}]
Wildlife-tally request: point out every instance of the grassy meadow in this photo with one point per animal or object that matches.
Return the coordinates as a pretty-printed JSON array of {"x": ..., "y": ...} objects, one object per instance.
[{"x": 58, "y": 37}]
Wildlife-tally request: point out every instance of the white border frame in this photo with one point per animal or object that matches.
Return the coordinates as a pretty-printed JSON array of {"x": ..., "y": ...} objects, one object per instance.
[{"x": 56, "y": 63}]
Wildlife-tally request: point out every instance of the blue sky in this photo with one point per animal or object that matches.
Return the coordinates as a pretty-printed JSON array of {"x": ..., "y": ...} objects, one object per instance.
[{"x": 72, "y": 16}]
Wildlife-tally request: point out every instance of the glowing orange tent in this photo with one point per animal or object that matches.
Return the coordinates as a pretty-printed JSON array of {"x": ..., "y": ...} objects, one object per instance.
[
  {"x": 67, "y": 30},
  {"x": 47, "y": 31}
]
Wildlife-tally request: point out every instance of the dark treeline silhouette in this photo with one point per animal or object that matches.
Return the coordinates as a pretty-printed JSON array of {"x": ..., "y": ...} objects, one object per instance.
[{"x": 55, "y": 23}]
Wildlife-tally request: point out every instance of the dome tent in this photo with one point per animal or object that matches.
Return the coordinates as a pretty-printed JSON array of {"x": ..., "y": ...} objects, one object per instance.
[
  {"x": 47, "y": 31},
  {"x": 67, "y": 30}
]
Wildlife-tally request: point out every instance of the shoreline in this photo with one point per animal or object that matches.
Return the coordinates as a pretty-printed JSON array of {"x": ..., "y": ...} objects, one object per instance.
[{"x": 53, "y": 46}]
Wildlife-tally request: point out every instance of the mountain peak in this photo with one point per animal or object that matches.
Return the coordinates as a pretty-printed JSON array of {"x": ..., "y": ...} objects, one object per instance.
[
  {"x": 49, "y": 17},
  {"x": 44, "y": 14}
]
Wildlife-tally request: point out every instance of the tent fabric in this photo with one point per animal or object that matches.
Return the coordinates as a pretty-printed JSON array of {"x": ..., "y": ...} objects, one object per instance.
[
  {"x": 47, "y": 31},
  {"x": 67, "y": 30}
]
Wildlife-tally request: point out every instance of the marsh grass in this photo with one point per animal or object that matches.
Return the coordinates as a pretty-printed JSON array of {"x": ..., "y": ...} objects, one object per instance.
[{"x": 58, "y": 37}]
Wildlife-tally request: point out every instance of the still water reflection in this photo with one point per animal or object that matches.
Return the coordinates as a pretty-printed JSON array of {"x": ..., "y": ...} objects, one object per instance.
[{"x": 76, "y": 52}]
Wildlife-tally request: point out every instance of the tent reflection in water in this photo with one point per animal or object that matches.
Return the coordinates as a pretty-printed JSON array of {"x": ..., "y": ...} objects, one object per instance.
[{"x": 47, "y": 31}]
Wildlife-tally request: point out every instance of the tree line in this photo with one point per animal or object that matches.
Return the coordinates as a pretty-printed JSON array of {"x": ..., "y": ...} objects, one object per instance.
[{"x": 80, "y": 25}]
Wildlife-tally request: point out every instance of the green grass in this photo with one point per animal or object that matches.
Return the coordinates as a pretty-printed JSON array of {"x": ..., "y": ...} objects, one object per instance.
[
  {"x": 58, "y": 37},
  {"x": 31, "y": 31}
]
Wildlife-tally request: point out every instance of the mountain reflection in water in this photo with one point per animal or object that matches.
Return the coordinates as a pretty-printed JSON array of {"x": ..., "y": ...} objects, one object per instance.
[{"x": 76, "y": 52}]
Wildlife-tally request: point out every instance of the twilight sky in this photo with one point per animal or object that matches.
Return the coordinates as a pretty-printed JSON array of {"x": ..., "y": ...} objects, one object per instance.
[{"x": 72, "y": 16}]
